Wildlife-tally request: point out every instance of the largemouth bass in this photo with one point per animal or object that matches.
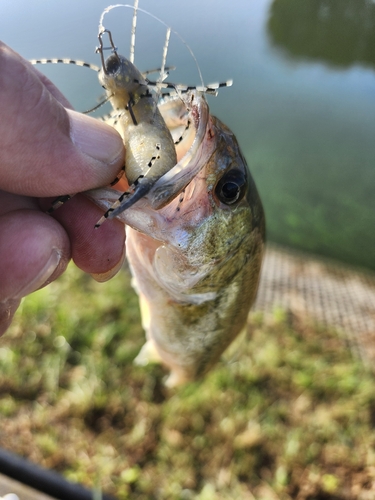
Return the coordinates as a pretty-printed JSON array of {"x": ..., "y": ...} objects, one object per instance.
[
  {"x": 195, "y": 244},
  {"x": 195, "y": 222}
]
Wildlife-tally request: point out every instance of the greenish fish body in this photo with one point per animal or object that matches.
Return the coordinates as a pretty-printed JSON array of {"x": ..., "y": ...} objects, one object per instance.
[{"x": 195, "y": 250}]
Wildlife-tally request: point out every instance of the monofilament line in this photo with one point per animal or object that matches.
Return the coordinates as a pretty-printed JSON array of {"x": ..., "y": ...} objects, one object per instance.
[{"x": 107, "y": 9}]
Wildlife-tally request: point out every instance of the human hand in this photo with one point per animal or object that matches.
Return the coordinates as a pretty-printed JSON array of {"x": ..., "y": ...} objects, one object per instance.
[{"x": 47, "y": 149}]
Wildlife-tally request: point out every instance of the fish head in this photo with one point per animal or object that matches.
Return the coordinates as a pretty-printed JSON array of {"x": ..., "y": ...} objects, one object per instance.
[{"x": 220, "y": 208}]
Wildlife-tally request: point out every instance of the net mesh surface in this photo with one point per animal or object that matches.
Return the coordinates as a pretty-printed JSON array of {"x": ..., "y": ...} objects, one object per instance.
[{"x": 329, "y": 293}]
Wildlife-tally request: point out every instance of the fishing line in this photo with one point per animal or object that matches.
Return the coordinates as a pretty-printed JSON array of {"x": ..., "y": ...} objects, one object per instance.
[{"x": 110, "y": 7}]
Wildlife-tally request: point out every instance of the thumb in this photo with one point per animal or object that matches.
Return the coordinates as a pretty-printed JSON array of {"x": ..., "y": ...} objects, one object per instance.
[{"x": 45, "y": 149}]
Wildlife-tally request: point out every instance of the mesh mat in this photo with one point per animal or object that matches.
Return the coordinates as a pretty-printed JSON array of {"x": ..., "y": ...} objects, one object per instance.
[{"x": 331, "y": 294}]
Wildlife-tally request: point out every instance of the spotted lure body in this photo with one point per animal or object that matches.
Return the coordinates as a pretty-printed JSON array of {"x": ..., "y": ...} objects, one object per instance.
[{"x": 149, "y": 148}]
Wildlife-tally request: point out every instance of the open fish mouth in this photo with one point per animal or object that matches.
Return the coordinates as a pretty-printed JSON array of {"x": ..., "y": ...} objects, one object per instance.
[
  {"x": 193, "y": 160},
  {"x": 188, "y": 119}
]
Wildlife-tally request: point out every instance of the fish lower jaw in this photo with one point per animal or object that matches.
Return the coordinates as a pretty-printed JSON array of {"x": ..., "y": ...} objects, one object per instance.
[
  {"x": 175, "y": 379},
  {"x": 151, "y": 354}
]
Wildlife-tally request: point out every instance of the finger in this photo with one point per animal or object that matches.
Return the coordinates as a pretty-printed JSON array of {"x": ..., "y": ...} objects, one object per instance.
[
  {"x": 97, "y": 251},
  {"x": 10, "y": 202},
  {"x": 46, "y": 150},
  {"x": 34, "y": 250}
]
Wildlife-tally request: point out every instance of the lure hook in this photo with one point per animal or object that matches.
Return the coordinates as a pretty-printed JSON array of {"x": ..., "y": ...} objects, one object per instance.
[{"x": 101, "y": 47}]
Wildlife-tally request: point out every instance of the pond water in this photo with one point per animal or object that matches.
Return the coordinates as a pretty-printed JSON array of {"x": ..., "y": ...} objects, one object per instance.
[{"x": 302, "y": 105}]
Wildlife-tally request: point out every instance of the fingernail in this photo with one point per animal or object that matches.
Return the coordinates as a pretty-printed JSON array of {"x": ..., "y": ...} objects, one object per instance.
[
  {"x": 43, "y": 277},
  {"x": 102, "y": 277},
  {"x": 95, "y": 138}
]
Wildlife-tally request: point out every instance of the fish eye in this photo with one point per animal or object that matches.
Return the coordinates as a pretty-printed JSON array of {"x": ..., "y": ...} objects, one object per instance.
[{"x": 231, "y": 187}]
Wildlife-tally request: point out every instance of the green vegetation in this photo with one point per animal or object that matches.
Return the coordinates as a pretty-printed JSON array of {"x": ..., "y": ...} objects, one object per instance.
[{"x": 290, "y": 416}]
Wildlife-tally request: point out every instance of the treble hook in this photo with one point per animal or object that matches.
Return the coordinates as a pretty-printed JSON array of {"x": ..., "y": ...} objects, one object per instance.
[{"x": 100, "y": 49}]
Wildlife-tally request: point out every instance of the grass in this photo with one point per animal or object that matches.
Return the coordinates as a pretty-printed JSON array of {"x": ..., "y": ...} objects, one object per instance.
[{"x": 291, "y": 416}]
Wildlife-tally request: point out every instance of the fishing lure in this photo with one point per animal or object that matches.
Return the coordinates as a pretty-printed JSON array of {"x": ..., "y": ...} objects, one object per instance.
[
  {"x": 150, "y": 150},
  {"x": 149, "y": 147}
]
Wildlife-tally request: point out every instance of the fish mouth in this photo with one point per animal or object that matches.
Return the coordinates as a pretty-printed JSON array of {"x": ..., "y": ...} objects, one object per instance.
[
  {"x": 173, "y": 182},
  {"x": 165, "y": 189}
]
